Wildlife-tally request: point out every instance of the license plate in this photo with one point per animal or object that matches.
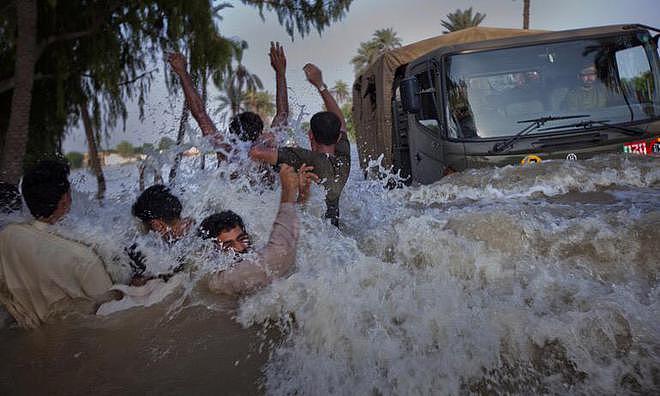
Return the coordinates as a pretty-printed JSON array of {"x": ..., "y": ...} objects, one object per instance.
[{"x": 643, "y": 147}]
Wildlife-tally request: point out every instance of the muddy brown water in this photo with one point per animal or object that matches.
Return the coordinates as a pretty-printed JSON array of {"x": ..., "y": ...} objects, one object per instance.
[{"x": 196, "y": 351}]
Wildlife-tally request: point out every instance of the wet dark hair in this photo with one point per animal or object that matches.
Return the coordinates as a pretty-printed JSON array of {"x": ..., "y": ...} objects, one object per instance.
[
  {"x": 325, "y": 127},
  {"x": 43, "y": 187},
  {"x": 217, "y": 223},
  {"x": 157, "y": 203},
  {"x": 247, "y": 126},
  {"x": 10, "y": 198}
]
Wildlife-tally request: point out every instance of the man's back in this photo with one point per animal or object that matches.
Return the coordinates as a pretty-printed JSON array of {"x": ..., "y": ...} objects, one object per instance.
[
  {"x": 332, "y": 169},
  {"x": 39, "y": 268}
]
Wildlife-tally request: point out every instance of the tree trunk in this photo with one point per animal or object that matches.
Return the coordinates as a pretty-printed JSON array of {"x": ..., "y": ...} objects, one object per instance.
[
  {"x": 526, "y": 14},
  {"x": 11, "y": 165},
  {"x": 204, "y": 92},
  {"x": 179, "y": 139},
  {"x": 94, "y": 161}
]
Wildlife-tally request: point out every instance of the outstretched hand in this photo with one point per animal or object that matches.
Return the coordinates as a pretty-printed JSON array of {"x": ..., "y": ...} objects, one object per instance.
[
  {"x": 314, "y": 75},
  {"x": 277, "y": 57},
  {"x": 178, "y": 62},
  {"x": 290, "y": 183}
]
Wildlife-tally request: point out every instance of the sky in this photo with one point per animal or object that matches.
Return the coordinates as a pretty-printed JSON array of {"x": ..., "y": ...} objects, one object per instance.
[{"x": 413, "y": 20}]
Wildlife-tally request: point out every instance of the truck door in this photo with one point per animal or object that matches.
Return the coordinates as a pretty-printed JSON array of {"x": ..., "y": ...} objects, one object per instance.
[{"x": 426, "y": 150}]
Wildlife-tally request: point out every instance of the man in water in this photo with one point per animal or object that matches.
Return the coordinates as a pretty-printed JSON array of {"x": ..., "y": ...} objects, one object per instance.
[
  {"x": 247, "y": 126},
  {"x": 160, "y": 212},
  {"x": 330, "y": 154},
  {"x": 38, "y": 267},
  {"x": 591, "y": 94},
  {"x": 274, "y": 260}
]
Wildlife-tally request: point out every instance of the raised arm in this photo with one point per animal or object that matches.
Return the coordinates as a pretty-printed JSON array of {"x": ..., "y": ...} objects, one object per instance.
[
  {"x": 315, "y": 77},
  {"x": 194, "y": 101},
  {"x": 278, "y": 62},
  {"x": 279, "y": 254}
]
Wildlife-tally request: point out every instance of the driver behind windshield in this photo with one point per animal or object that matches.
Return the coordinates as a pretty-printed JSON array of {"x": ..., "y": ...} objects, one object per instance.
[{"x": 590, "y": 94}]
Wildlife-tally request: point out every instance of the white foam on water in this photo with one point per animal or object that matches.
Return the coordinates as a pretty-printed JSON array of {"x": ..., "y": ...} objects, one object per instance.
[{"x": 535, "y": 279}]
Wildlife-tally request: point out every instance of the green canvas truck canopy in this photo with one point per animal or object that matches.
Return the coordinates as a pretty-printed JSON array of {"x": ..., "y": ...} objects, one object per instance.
[{"x": 372, "y": 90}]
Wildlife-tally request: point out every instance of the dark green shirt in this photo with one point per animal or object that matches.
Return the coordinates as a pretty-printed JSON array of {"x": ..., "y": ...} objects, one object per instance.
[{"x": 332, "y": 169}]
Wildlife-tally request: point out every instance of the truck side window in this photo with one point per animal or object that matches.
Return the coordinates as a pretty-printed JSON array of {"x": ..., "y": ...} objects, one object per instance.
[{"x": 428, "y": 116}]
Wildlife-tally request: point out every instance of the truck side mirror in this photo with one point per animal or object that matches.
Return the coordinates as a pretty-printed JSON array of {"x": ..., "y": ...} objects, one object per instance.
[{"x": 410, "y": 99}]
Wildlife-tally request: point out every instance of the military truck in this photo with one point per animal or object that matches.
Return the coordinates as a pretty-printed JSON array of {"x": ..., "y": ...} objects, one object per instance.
[{"x": 490, "y": 97}]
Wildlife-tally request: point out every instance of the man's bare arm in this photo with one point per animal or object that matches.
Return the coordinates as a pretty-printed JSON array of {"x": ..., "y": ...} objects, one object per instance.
[
  {"x": 278, "y": 62},
  {"x": 315, "y": 77},
  {"x": 264, "y": 153},
  {"x": 277, "y": 257},
  {"x": 194, "y": 101}
]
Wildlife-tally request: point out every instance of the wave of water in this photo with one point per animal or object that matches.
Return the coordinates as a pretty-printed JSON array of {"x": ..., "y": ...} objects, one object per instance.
[
  {"x": 535, "y": 279},
  {"x": 518, "y": 279}
]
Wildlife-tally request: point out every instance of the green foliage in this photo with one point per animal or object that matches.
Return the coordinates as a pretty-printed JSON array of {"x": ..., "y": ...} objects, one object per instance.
[
  {"x": 236, "y": 83},
  {"x": 125, "y": 149},
  {"x": 260, "y": 102},
  {"x": 347, "y": 109},
  {"x": 303, "y": 15},
  {"x": 341, "y": 91},
  {"x": 166, "y": 143},
  {"x": 117, "y": 43},
  {"x": 381, "y": 41},
  {"x": 75, "y": 159},
  {"x": 146, "y": 148},
  {"x": 462, "y": 19}
]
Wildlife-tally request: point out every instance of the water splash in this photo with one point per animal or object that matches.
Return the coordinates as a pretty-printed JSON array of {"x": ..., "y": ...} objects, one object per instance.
[{"x": 537, "y": 279}]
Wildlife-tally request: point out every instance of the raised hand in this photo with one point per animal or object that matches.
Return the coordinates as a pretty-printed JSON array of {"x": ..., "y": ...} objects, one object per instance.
[
  {"x": 290, "y": 182},
  {"x": 277, "y": 57},
  {"x": 305, "y": 179},
  {"x": 178, "y": 62},
  {"x": 314, "y": 75}
]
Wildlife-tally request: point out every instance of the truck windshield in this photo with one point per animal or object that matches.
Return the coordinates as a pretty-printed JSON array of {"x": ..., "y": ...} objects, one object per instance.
[{"x": 612, "y": 78}]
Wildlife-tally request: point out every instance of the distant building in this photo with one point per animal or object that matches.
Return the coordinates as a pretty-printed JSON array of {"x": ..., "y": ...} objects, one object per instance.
[
  {"x": 108, "y": 158},
  {"x": 191, "y": 152}
]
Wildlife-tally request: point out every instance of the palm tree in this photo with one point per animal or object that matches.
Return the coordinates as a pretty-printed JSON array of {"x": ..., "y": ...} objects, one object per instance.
[
  {"x": 260, "y": 102},
  {"x": 462, "y": 19},
  {"x": 340, "y": 91},
  {"x": 235, "y": 83},
  {"x": 366, "y": 54},
  {"x": 382, "y": 40},
  {"x": 387, "y": 39},
  {"x": 526, "y": 14}
]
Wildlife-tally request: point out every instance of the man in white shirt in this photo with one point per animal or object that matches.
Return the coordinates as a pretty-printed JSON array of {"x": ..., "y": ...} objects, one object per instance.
[{"x": 39, "y": 268}]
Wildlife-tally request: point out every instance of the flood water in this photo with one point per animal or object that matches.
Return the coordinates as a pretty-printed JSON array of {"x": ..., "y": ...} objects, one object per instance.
[{"x": 534, "y": 279}]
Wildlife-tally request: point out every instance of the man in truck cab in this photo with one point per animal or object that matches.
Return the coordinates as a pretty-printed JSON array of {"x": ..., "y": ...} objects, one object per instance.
[{"x": 590, "y": 94}]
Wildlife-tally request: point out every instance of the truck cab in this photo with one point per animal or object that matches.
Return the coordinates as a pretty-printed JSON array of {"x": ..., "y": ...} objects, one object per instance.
[{"x": 522, "y": 98}]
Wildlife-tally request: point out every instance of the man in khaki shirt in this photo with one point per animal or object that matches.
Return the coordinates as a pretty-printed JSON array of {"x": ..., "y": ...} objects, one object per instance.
[
  {"x": 274, "y": 260},
  {"x": 39, "y": 268}
]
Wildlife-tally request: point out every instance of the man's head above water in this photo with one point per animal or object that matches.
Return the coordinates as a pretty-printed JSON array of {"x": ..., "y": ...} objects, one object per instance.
[
  {"x": 325, "y": 128},
  {"x": 227, "y": 231},
  {"x": 247, "y": 126},
  {"x": 160, "y": 211},
  {"x": 46, "y": 190}
]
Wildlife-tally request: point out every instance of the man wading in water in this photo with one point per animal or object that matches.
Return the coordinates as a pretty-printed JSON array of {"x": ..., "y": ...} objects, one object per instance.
[
  {"x": 160, "y": 212},
  {"x": 274, "y": 260},
  {"x": 40, "y": 269},
  {"x": 330, "y": 154},
  {"x": 246, "y": 126}
]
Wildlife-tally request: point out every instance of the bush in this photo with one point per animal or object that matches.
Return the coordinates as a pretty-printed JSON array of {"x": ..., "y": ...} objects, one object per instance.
[
  {"x": 125, "y": 149},
  {"x": 75, "y": 159}
]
